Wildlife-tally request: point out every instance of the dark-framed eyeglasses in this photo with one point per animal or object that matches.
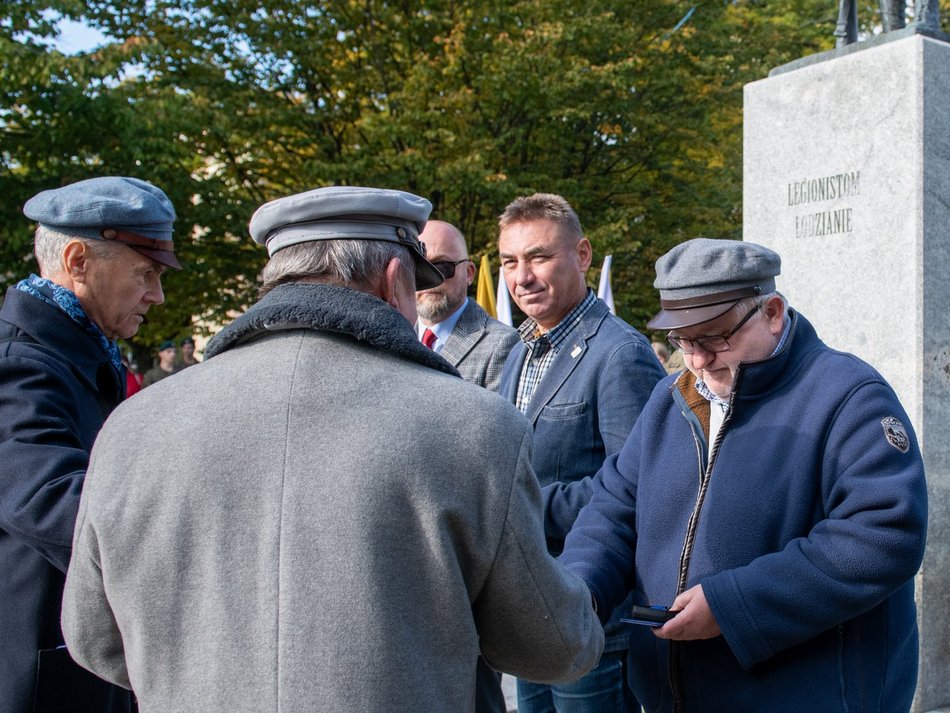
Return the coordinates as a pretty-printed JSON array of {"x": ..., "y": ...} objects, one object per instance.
[
  {"x": 447, "y": 267},
  {"x": 714, "y": 344}
]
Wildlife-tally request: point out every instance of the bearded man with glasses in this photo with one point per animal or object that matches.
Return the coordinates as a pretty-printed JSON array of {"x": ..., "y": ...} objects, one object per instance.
[
  {"x": 772, "y": 496},
  {"x": 450, "y": 322}
]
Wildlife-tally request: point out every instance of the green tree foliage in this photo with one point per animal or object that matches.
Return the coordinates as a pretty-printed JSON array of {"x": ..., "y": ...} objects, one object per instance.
[{"x": 631, "y": 110}]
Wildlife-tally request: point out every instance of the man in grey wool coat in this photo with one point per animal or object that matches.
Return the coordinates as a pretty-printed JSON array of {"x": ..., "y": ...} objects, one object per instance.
[{"x": 321, "y": 516}]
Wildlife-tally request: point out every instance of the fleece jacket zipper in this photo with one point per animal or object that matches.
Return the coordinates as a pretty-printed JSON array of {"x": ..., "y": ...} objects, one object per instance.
[{"x": 685, "y": 556}]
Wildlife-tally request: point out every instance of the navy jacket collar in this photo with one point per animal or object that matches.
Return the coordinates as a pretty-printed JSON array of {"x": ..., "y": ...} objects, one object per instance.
[
  {"x": 51, "y": 328},
  {"x": 758, "y": 379}
]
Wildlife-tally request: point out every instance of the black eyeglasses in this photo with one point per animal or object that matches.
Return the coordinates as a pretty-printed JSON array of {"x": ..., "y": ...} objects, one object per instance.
[
  {"x": 447, "y": 267},
  {"x": 714, "y": 344}
]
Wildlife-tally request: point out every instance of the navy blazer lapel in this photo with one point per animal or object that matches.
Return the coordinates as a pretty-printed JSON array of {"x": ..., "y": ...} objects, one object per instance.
[
  {"x": 468, "y": 332},
  {"x": 571, "y": 354}
]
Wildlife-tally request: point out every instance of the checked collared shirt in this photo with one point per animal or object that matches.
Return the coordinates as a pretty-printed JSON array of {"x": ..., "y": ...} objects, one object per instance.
[{"x": 543, "y": 347}]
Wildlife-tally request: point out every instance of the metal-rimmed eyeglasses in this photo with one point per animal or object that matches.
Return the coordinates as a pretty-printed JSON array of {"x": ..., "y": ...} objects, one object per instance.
[
  {"x": 713, "y": 344},
  {"x": 447, "y": 267}
]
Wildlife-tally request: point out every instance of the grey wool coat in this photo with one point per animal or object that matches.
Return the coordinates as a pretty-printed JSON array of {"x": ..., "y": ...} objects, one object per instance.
[{"x": 320, "y": 517}]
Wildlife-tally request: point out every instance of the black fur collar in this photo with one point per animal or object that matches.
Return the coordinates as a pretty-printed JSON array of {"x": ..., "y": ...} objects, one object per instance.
[{"x": 329, "y": 308}]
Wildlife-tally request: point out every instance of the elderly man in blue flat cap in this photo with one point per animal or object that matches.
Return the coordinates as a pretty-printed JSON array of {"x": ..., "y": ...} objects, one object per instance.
[
  {"x": 771, "y": 497},
  {"x": 101, "y": 245},
  {"x": 322, "y": 515}
]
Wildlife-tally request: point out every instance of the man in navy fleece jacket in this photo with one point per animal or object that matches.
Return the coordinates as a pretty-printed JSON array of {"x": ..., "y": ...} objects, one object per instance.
[{"x": 773, "y": 494}]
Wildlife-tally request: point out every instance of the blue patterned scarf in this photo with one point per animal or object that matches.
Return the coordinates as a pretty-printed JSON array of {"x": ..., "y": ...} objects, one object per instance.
[{"x": 66, "y": 300}]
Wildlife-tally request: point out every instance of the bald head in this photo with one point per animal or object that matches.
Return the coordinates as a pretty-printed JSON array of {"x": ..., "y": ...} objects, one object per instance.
[
  {"x": 443, "y": 241},
  {"x": 445, "y": 245}
]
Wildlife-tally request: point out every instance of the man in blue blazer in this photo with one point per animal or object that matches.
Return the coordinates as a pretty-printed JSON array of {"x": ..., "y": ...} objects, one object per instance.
[{"x": 581, "y": 375}]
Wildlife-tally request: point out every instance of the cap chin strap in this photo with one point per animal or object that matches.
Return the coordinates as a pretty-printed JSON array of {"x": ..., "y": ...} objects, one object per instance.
[
  {"x": 140, "y": 241},
  {"x": 712, "y": 300}
]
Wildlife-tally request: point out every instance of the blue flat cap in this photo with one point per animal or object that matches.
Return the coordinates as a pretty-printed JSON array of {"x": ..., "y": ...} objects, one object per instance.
[
  {"x": 125, "y": 210},
  {"x": 702, "y": 279},
  {"x": 348, "y": 213}
]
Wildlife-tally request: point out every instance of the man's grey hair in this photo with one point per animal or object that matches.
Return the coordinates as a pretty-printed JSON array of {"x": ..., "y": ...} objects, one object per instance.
[
  {"x": 748, "y": 303},
  {"x": 48, "y": 246},
  {"x": 340, "y": 262},
  {"x": 543, "y": 206}
]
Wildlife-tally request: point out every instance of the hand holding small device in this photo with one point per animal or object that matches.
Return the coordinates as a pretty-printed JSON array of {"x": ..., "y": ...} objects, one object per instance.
[{"x": 649, "y": 616}]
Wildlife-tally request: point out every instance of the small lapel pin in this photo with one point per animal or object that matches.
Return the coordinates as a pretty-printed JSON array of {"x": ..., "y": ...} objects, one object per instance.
[{"x": 575, "y": 351}]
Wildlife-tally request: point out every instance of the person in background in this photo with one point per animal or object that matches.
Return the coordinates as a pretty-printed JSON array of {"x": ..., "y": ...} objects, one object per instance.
[
  {"x": 581, "y": 375},
  {"x": 188, "y": 357},
  {"x": 101, "y": 245},
  {"x": 662, "y": 352},
  {"x": 165, "y": 367},
  {"x": 321, "y": 515},
  {"x": 772, "y": 496},
  {"x": 671, "y": 361},
  {"x": 133, "y": 379}
]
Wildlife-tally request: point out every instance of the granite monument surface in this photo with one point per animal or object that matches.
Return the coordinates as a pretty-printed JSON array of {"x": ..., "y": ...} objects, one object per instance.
[{"x": 847, "y": 175}]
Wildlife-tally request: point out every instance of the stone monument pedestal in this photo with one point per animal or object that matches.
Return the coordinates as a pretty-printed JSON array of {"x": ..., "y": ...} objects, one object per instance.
[{"x": 847, "y": 176}]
